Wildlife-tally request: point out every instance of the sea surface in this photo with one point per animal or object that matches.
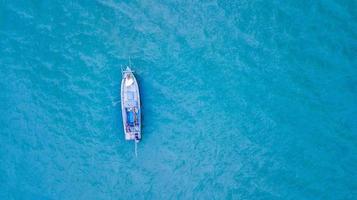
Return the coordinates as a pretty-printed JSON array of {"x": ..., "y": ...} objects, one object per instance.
[{"x": 241, "y": 99}]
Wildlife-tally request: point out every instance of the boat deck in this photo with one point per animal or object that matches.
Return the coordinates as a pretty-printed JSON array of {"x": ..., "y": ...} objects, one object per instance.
[{"x": 131, "y": 107}]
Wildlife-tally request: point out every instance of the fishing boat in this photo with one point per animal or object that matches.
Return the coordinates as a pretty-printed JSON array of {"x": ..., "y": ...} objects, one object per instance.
[{"x": 130, "y": 106}]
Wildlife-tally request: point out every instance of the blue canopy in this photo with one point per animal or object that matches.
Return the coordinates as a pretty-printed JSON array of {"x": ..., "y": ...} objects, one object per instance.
[{"x": 130, "y": 117}]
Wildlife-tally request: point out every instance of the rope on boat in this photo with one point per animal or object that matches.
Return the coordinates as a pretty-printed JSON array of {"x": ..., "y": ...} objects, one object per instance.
[{"x": 136, "y": 148}]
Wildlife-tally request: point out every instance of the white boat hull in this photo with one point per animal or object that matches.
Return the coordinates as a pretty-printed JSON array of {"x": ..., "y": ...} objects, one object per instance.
[{"x": 130, "y": 105}]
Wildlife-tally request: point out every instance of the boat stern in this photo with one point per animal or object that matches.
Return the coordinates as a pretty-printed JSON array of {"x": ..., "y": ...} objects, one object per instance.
[{"x": 133, "y": 136}]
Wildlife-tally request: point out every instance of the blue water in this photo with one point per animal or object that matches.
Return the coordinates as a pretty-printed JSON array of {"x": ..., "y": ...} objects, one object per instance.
[{"x": 241, "y": 99}]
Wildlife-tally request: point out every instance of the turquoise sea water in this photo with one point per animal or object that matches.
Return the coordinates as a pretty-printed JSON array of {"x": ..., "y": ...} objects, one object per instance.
[{"x": 241, "y": 99}]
